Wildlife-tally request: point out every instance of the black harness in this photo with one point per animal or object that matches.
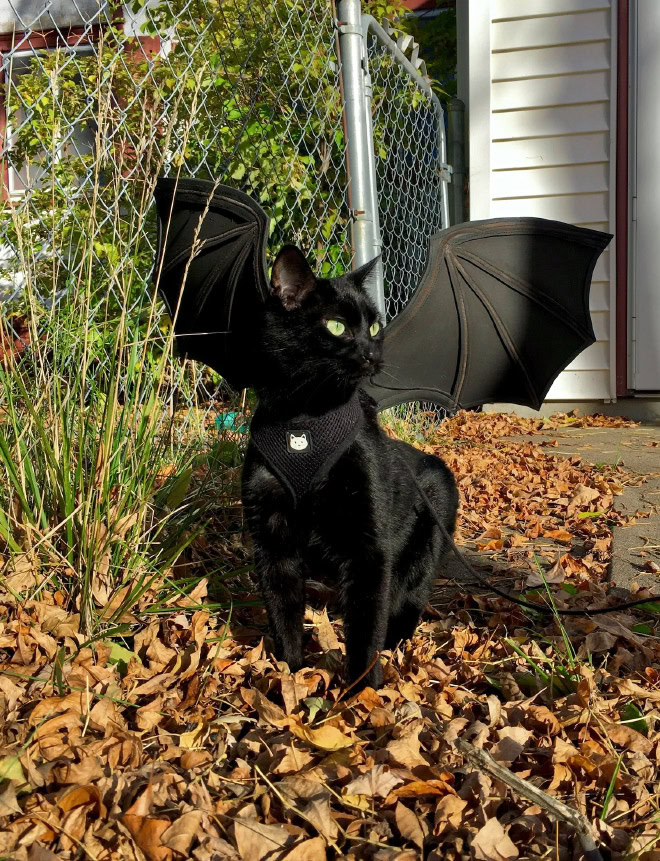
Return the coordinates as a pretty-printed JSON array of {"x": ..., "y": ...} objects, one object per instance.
[{"x": 301, "y": 451}]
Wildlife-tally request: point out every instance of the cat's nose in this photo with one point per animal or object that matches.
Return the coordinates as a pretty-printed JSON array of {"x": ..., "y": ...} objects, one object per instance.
[
  {"x": 368, "y": 354},
  {"x": 367, "y": 359}
]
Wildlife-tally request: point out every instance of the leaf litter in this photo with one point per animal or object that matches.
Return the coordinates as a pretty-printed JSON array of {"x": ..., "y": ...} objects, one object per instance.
[{"x": 184, "y": 738}]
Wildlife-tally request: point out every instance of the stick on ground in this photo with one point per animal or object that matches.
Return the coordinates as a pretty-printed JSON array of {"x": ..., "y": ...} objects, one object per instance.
[{"x": 485, "y": 762}]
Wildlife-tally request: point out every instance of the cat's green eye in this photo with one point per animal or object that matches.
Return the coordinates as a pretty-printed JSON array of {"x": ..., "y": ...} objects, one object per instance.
[
  {"x": 374, "y": 329},
  {"x": 336, "y": 327}
]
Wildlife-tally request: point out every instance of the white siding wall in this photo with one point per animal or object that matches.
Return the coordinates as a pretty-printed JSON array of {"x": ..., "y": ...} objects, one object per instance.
[{"x": 541, "y": 103}]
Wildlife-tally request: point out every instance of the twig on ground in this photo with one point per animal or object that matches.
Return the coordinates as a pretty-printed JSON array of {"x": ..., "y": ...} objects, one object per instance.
[{"x": 482, "y": 760}]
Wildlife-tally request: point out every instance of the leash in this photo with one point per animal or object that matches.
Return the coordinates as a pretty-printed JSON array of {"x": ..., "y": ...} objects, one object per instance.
[{"x": 530, "y": 605}]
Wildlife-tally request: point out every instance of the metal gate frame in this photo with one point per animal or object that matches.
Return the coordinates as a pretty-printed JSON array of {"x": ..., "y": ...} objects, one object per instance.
[{"x": 354, "y": 31}]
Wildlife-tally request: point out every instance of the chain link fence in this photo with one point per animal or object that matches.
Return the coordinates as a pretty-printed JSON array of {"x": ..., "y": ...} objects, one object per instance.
[
  {"x": 410, "y": 156},
  {"x": 98, "y": 103}
]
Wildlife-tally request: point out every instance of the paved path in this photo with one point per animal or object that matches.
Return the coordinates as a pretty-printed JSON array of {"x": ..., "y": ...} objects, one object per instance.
[
  {"x": 634, "y": 449},
  {"x": 631, "y": 447}
]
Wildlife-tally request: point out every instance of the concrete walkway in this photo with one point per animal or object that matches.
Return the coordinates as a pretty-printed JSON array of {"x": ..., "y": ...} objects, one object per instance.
[{"x": 632, "y": 448}]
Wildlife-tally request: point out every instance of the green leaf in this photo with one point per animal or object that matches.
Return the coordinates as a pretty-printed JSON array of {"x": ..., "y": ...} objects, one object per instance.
[
  {"x": 642, "y": 629},
  {"x": 652, "y": 607},
  {"x": 634, "y": 718},
  {"x": 316, "y": 705},
  {"x": 11, "y": 769},
  {"x": 120, "y": 656}
]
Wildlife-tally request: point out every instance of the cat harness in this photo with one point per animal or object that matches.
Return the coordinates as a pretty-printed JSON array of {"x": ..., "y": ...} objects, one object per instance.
[{"x": 301, "y": 451}]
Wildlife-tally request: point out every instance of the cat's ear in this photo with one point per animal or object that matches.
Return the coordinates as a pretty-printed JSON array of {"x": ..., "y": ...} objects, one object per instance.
[
  {"x": 292, "y": 278},
  {"x": 361, "y": 277}
]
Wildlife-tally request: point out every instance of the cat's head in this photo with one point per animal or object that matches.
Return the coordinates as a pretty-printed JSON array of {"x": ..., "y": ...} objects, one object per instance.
[{"x": 321, "y": 332}]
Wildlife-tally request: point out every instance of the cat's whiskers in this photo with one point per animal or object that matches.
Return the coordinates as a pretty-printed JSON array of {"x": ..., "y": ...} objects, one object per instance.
[{"x": 387, "y": 374}]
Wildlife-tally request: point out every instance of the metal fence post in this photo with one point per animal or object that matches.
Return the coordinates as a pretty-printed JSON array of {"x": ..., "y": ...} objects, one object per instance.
[
  {"x": 362, "y": 195},
  {"x": 456, "y": 122}
]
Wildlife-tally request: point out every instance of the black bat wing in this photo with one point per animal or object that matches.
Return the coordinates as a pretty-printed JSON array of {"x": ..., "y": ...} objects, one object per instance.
[
  {"x": 211, "y": 271},
  {"x": 501, "y": 309}
]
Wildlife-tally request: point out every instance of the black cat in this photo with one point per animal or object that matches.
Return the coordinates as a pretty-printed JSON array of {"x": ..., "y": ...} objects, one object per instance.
[{"x": 324, "y": 489}]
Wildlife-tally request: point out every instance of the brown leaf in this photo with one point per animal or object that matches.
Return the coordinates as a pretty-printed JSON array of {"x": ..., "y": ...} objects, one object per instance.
[
  {"x": 379, "y": 780},
  {"x": 147, "y": 833},
  {"x": 565, "y": 753},
  {"x": 543, "y": 717},
  {"x": 369, "y": 698},
  {"x": 80, "y": 795},
  {"x": 312, "y": 799},
  {"x": 627, "y": 737},
  {"x": 193, "y": 758},
  {"x": 267, "y": 711},
  {"x": 448, "y": 814},
  {"x": 40, "y": 853},
  {"x": 419, "y": 788},
  {"x": 583, "y": 496},
  {"x": 326, "y": 737},
  {"x": 491, "y": 843},
  {"x": 307, "y": 850},
  {"x": 256, "y": 841},
  {"x": 8, "y": 802},
  {"x": 405, "y": 750},
  {"x": 554, "y": 575},
  {"x": 293, "y": 761},
  {"x": 325, "y": 633},
  {"x": 560, "y": 535},
  {"x": 492, "y": 532},
  {"x": 85, "y": 771},
  {"x": 292, "y": 692},
  {"x": 599, "y": 641},
  {"x": 494, "y": 544},
  {"x": 512, "y": 741},
  {"x": 410, "y": 826},
  {"x": 194, "y": 738},
  {"x": 181, "y": 833},
  {"x": 151, "y": 715}
]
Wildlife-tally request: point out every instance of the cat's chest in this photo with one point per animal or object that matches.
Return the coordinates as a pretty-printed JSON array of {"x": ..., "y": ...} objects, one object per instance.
[{"x": 301, "y": 451}]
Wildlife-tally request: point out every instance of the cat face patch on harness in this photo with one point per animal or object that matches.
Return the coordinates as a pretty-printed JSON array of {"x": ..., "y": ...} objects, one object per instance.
[
  {"x": 297, "y": 441},
  {"x": 288, "y": 450}
]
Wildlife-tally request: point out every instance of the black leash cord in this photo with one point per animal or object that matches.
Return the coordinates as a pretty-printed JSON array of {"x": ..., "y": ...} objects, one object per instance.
[{"x": 539, "y": 608}]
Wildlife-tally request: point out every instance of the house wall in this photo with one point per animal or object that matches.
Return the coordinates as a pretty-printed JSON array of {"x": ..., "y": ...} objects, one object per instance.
[
  {"x": 541, "y": 81},
  {"x": 19, "y": 15}
]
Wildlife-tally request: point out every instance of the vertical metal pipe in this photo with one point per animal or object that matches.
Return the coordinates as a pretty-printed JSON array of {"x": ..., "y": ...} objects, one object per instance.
[
  {"x": 445, "y": 170},
  {"x": 378, "y": 281},
  {"x": 358, "y": 138},
  {"x": 456, "y": 118}
]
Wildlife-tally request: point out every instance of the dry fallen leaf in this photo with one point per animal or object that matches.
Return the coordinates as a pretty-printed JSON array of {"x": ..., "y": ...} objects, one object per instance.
[
  {"x": 582, "y": 496},
  {"x": 410, "y": 826},
  {"x": 182, "y": 832},
  {"x": 307, "y": 850},
  {"x": 448, "y": 814},
  {"x": 257, "y": 841},
  {"x": 406, "y": 750},
  {"x": 378, "y": 781},
  {"x": 491, "y": 843},
  {"x": 325, "y": 737},
  {"x": 8, "y": 802}
]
